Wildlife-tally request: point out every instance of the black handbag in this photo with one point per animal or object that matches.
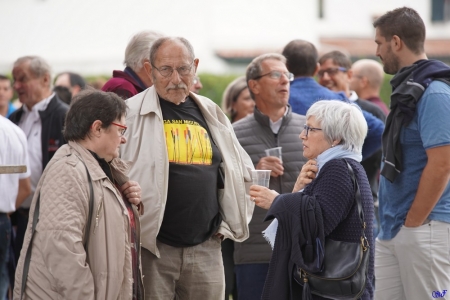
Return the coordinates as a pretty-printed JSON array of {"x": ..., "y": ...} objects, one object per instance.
[{"x": 345, "y": 265}]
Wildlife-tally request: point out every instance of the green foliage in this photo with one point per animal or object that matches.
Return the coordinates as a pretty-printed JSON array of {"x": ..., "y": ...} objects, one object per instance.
[
  {"x": 214, "y": 85},
  {"x": 386, "y": 90}
]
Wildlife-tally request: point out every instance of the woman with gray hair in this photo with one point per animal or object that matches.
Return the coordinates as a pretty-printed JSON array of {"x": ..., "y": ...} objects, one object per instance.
[
  {"x": 237, "y": 101},
  {"x": 332, "y": 141}
]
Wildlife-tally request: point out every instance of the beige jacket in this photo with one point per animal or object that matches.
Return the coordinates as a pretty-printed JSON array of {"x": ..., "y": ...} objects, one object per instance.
[
  {"x": 146, "y": 147},
  {"x": 59, "y": 268}
]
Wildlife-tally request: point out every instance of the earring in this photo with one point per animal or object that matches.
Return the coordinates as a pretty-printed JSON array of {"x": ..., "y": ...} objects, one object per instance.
[{"x": 332, "y": 145}]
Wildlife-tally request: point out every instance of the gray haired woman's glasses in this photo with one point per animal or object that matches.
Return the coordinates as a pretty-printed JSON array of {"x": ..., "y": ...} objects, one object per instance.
[
  {"x": 307, "y": 128},
  {"x": 277, "y": 75}
]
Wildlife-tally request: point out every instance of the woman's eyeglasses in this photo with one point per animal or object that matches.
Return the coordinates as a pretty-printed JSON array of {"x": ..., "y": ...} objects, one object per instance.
[
  {"x": 307, "y": 128},
  {"x": 123, "y": 128}
]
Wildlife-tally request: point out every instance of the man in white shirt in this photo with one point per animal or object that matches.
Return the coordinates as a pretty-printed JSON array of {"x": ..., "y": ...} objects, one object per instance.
[
  {"x": 14, "y": 188},
  {"x": 41, "y": 117}
]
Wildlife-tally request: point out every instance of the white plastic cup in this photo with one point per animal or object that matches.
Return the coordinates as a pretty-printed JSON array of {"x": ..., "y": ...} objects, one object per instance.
[
  {"x": 261, "y": 177},
  {"x": 274, "y": 152}
]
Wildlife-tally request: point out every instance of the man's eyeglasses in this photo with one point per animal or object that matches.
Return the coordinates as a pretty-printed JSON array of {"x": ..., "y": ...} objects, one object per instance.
[
  {"x": 123, "y": 128},
  {"x": 277, "y": 75},
  {"x": 167, "y": 71},
  {"x": 331, "y": 71},
  {"x": 308, "y": 129}
]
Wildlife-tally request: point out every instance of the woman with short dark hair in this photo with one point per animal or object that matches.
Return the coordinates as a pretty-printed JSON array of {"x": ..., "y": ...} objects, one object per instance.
[{"x": 82, "y": 240}]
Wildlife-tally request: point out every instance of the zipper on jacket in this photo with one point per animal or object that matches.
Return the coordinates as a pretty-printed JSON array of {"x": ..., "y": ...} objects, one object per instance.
[{"x": 97, "y": 215}]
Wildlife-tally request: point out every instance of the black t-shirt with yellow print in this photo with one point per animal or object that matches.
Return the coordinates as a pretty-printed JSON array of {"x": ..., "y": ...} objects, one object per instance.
[{"x": 192, "y": 213}]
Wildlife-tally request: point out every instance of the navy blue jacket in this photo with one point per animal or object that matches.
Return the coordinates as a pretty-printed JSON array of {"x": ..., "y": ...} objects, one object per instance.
[
  {"x": 305, "y": 91},
  {"x": 52, "y": 125}
]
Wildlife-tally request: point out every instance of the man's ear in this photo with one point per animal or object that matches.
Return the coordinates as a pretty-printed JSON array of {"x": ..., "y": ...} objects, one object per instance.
[
  {"x": 317, "y": 69},
  {"x": 196, "y": 61},
  {"x": 148, "y": 68},
  {"x": 364, "y": 82},
  {"x": 46, "y": 80},
  {"x": 148, "y": 71},
  {"x": 349, "y": 74},
  {"x": 396, "y": 43},
  {"x": 253, "y": 86}
]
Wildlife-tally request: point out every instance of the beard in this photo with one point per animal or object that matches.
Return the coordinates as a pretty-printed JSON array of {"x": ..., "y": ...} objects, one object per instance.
[{"x": 391, "y": 63}]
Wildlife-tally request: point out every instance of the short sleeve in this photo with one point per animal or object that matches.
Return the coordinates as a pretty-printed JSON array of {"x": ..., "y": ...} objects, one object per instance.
[{"x": 434, "y": 115}]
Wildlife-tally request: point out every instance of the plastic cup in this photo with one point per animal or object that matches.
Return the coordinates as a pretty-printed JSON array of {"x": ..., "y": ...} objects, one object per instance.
[
  {"x": 261, "y": 177},
  {"x": 274, "y": 152}
]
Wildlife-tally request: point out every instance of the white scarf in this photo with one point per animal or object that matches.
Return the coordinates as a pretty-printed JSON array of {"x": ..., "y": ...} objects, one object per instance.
[{"x": 336, "y": 152}]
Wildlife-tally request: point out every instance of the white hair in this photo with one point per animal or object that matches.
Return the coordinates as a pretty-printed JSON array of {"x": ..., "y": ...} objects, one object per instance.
[
  {"x": 38, "y": 66},
  {"x": 138, "y": 49},
  {"x": 340, "y": 120}
]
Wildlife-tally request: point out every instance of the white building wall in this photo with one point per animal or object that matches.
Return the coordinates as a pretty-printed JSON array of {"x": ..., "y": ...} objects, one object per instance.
[
  {"x": 90, "y": 36},
  {"x": 353, "y": 18}
]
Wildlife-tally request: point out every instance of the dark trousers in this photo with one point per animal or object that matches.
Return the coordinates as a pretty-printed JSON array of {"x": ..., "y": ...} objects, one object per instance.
[
  {"x": 19, "y": 219},
  {"x": 5, "y": 239},
  {"x": 250, "y": 279},
  {"x": 228, "y": 265}
]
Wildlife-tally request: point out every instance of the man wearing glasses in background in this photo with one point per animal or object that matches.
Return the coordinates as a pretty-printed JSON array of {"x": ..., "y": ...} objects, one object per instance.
[
  {"x": 194, "y": 175},
  {"x": 273, "y": 124},
  {"x": 302, "y": 61},
  {"x": 340, "y": 82}
]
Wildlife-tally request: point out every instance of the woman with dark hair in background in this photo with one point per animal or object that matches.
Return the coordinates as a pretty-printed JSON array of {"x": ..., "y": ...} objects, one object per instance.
[
  {"x": 237, "y": 101},
  {"x": 79, "y": 251}
]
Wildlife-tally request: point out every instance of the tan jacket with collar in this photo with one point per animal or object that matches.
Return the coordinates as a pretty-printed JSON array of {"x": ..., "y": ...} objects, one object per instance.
[
  {"x": 59, "y": 267},
  {"x": 146, "y": 148}
]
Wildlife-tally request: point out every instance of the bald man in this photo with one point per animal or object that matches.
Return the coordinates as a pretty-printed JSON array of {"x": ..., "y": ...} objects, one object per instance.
[{"x": 367, "y": 79}]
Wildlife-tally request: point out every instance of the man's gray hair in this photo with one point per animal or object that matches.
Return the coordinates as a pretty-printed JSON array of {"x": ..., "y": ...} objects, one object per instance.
[
  {"x": 138, "y": 49},
  {"x": 340, "y": 120},
  {"x": 38, "y": 66},
  {"x": 159, "y": 42},
  {"x": 254, "y": 68}
]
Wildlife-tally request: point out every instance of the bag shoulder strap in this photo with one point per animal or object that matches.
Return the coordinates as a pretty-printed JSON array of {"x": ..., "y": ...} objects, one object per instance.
[
  {"x": 26, "y": 264},
  {"x": 357, "y": 198}
]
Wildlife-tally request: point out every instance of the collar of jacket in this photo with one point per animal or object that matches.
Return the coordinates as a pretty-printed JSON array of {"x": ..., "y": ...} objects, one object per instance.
[
  {"x": 42, "y": 113},
  {"x": 265, "y": 121},
  {"x": 119, "y": 167},
  {"x": 135, "y": 77},
  {"x": 211, "y": 112}
]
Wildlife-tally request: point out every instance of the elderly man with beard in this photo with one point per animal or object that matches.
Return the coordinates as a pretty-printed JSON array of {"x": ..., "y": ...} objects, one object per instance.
[{"x": 195, "y": 178}]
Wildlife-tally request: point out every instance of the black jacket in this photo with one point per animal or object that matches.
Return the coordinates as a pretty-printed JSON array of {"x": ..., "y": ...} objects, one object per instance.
[
  {"x": 52, "y": 125},
  {"x": 334, "y": 193}
]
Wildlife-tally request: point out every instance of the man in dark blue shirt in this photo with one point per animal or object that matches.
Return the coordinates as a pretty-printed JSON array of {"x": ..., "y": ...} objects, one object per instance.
[{"x": 302, "y": 61}]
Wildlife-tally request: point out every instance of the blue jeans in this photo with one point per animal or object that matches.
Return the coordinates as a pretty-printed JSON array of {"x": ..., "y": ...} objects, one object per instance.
[
  {"x": 5, "y": 239},
  {"x": 250, "y": 279}
]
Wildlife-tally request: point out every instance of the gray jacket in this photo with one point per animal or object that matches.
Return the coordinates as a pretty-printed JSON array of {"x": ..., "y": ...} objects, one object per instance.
[{"x": 254, "y": 135}]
